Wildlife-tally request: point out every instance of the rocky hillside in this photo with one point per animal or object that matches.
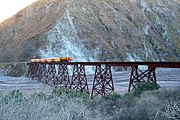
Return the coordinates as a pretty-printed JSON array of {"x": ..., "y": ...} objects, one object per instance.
[{"x": 93, "y": 30}]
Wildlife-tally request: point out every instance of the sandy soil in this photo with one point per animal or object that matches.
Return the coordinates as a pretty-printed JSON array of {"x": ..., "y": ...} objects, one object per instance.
[{"x": 25, "y": 85}]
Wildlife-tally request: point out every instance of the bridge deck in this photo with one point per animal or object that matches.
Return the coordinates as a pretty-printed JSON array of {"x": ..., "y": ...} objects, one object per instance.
[{"x": 152, "y": 64}]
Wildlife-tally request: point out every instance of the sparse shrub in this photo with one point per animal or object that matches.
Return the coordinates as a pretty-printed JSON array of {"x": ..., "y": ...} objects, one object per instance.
[
  {"x": 69, "y": 92},
  {"x": 40, "y": 96},
  {"x": 128, "y": 100},
  {"x": 173, "y": 93},
  {"x": 112, "y": 97},
  {"x": 1, "y": 95},
  {"x": 171, "y": 111},
  {"x": 15, "y": 95},
  {"x": 145, "y": 86},
  {"x": 60, "y": 107},
  {"x": 150, "y": 105}
]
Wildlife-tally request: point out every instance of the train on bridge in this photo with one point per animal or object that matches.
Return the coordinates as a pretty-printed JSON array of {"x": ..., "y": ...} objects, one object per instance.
[
  {"x": 46, "y": 60},
  {"x": 54, "y": 71}
]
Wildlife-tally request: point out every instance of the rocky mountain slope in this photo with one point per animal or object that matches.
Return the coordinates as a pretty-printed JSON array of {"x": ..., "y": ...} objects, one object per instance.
[{"x": 93, "y": 30}]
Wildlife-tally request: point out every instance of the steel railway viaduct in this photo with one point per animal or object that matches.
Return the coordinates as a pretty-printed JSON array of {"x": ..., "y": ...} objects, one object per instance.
[{"x": 57, "y": 73}]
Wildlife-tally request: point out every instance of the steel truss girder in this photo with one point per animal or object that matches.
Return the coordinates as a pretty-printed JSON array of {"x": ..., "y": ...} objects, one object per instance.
[
  {"x": 137, "y": 75},
  {"x": 62, "y": 78},
  {"x": 51, "y": 74},
  {"x": 41, "y": 72},
  {"x": 33, "y": 70},
  {"x": 103, "y": 81},
  {"x": 79, "y": 79}
]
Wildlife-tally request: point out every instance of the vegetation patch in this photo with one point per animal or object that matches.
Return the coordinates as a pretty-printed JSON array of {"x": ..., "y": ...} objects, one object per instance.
[
  {"x": 59, "y": 91},
  {"x": 112, "y": 97},
  {"x": 145, "y": 86},
  {"x": 15, "y": 95},
  {"x": 40, "y": 96},
  {"x": 66, "y": 104}
]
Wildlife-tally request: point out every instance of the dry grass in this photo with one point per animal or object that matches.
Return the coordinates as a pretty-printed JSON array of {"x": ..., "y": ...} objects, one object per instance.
[{"x": 159, "y": 105}]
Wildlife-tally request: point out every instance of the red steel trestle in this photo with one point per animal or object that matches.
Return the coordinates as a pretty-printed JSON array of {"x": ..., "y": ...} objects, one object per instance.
[
  {"x": 51, "y": 74},
  {"x": 103, "y": 82},
  {"x": 138, "y": 75},
  {"x": 152, "y": 74},
  {"x": 62, "y": 78},
  {"x": 57, "y": 73},
  {"x": 33, "y": 70},
  {"x": 41, "y": 71},
  {"x": 79, "y": 79}
]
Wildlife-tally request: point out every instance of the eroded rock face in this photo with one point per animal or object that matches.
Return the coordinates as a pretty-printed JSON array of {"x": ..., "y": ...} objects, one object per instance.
[
  {"x": 24, "y": 34},
  {"x": 94, "y": 30},
  {"x": 16, "y": 69}
]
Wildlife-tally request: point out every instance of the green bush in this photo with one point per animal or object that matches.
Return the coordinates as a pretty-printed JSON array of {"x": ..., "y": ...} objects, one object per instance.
[
  {"x": 144, "y": 86},
  {"x": 15, "y": 95},
  {"x": 68, "y": 92},
  {"x": 112, "y": 97},
  {"x": 40, "y": 96}
]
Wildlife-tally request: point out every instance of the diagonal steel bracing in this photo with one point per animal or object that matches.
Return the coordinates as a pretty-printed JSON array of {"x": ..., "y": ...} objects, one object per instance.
[
  {"x": 33, "y": 70},
  {"x": 51, "y": 74},
  {"x": 103, "y": 82},
  {"x": 79, "y": 79},
  {"x": 62, "y": 78},
  {"x": 43, "y": 71},
  {"x": 138, "y": 75}
]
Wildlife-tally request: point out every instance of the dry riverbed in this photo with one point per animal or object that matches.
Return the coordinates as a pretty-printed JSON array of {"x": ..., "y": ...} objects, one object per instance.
[{"x": 165, "y": 78}]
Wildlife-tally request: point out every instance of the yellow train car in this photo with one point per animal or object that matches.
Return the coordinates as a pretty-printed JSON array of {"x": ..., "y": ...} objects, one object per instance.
[{"x": 43, "y": 60}]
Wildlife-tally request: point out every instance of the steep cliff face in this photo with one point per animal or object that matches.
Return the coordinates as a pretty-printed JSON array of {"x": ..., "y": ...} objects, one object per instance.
[
  {"x": 94, "y": 30},
  {"x": 24, "y": 34}
]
